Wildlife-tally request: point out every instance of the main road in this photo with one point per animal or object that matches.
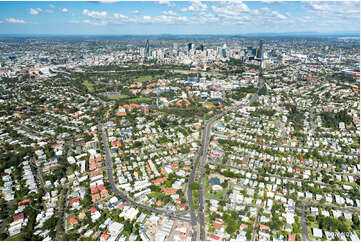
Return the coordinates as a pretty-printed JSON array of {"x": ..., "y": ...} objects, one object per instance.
[
  {"x": 125, "y": 198},
  {"x": 203, "y": 154}
]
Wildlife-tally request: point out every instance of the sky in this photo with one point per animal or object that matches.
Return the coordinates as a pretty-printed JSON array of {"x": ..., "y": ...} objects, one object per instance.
[{"x": 111, "y": 17}]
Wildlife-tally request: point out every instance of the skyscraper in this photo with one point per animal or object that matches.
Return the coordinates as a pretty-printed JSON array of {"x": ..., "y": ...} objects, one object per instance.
[
  {"x": 201, "y": 47},
  {"x": 189, "y": 46},
  {"x": 224, "y": 53},
  {"x": 260, "y": 49},
  {"x": 147, "y": 49}
]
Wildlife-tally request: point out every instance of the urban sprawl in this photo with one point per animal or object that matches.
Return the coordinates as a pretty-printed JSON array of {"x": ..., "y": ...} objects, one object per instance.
[{"x": 204, "y": 138}]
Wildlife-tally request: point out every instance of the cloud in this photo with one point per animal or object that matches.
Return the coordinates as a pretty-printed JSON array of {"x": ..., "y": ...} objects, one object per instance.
[
  {"x": 167, "y": 2},
  {"x": 233, "y": 8},
  {"x": 65, "y": 10},
  {"x": 95, "y": 14},
  {"x": 36, "y": 11},
  {"x": 204, "y": 18},
  {"x": 169, "y": 13},
  {"x": 135, "y": 12},
  {"x": 119, "y": 16},
  {"x": 15, "y": 21},
  {"x": 87, "y": 21},
  {"x": 196, "y": 6},
  {"x": 339, "y": 9},
  {"x": 52, "y": 6},
  {"x": 278, "y": 15},
  {"x": 162, "y": 19},
  {"x": 1, "y": 22}
]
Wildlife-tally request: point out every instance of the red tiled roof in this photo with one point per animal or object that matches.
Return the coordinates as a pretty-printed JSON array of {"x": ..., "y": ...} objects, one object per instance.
[
  {"x": 104, "y": 192},
  {"x": 101, "y": 187},
  {"x": 92, "y": 210},
  {"x": 105, "y": 236},
  {"x": 24, "y": 201},
  {"x": 74, "y": 200},
  {"x": 95, "y": 196},
  {"x": 263, "y": 227},
  {"x": 73, "y": 221},
  {"x": 94, "y": 189},
  {"x": 96, "y": 172},
  {"x": 215, "y": 237},
  {"x": 291, "y": 237},
  {"x": 19, "y": 216}
]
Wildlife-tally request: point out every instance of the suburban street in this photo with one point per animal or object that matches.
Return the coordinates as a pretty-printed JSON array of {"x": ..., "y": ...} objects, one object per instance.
[
  {"x": 125, "y": 198},
  {"x": 255, "y": 225},
  {"x": 61, "y": 221},
  {"x": 203, "y": 153},
  {"x": 304, "y": 225}
]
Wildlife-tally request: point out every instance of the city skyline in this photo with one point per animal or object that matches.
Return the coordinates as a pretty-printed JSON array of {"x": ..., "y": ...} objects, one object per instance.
[{"x": 176, "y": 17}]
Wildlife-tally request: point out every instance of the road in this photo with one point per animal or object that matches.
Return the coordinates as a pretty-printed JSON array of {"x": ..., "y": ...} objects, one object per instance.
[
  {"x": 303, "y": 147},
  {"x": 255, "y": 225},
  {"x": 125, "y": 198},
  {"x": 283, "y": 177},
  {"x": 304, "y": 225},
  {"x": 203, "y": 154},
  {"x": 39, "y": 175},
  {"x": 31, "y": 131},
  {"x": 4, "y": 223},
  {"x": 347, "y": 209},
  {"x": 61, "y": 220}
]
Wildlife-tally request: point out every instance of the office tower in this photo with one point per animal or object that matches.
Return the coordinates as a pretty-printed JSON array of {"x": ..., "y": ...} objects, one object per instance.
[
  {"x": 190, "y": 46},
  {"x": 219, "y": 51},
  {"x": 254, "y": 52},
  {"x": 224, "y": 53},
  {"x": 142, "y": 52},
  {"x": 260, "y": 49},
  {"x": 147, "y": 49},
  {"x": 201, "y": 47},
  {"x": 175, "y": 46}
]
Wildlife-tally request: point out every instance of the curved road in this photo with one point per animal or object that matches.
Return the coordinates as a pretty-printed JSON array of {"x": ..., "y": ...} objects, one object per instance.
[
  {"x": 203, "y": 153},
  {"x": 125, "y": 198}
]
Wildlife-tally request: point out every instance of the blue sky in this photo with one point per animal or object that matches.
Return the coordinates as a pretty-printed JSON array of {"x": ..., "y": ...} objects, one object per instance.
[{"x": 176, "y": 17}]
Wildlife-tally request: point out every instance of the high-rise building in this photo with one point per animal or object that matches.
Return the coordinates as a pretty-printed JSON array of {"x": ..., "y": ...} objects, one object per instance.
[
  {"x": 201, "y": 47},
  {"x": 147, "y": 49},
  {"x": 190, "y": 45},
  {"x": 224, "y": 53},
  {"x": 260, "y": 49},
  {"x": 142, "y": 52}
]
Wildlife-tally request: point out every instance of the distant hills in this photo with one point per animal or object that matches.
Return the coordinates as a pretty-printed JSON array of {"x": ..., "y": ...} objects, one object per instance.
[{"x": 190, "y": 36}]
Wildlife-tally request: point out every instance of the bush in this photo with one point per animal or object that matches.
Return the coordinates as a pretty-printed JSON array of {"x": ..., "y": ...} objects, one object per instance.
[{"x": 194, "y": 186}]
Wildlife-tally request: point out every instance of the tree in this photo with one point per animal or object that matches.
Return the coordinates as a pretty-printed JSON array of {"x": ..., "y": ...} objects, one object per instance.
[
  {"x": 231, "y": 228},
  {"x": 50, "y": 223},
  {"x": 356, "y": 221},
  {"x": 194, "y": 186},
  {"x": 3, "y": 236}
]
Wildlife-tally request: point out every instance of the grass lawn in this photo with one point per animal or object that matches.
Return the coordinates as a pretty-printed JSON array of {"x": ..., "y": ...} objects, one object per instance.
[
  {"x": 17, "y": 237},
  {"x": 141, "y": 99},
  {"x": 156, "y": 195},
  {"x": 218, "y": 195},
  {"x": 147, "y": 78},
  {"x": 88, "y": 85},
  {"x": 122, "y": 96}
]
